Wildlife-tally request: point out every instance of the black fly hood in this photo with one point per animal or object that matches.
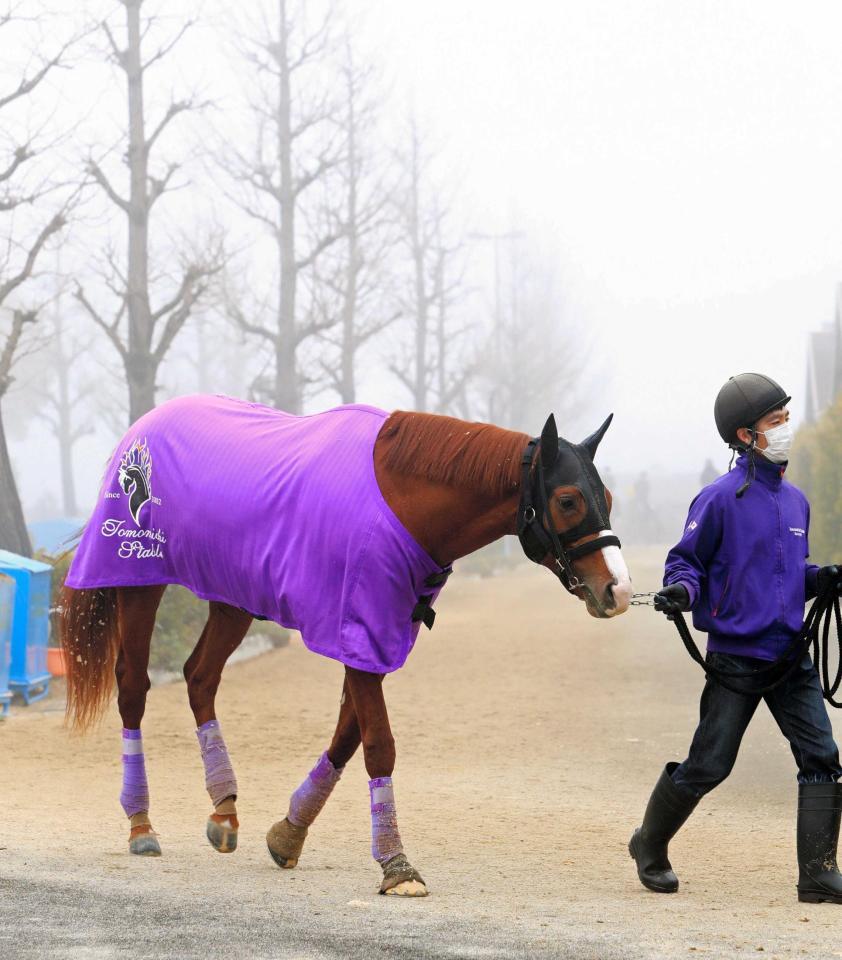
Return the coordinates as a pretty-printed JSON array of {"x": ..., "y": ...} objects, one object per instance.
[{"x": 549, "y": 462}]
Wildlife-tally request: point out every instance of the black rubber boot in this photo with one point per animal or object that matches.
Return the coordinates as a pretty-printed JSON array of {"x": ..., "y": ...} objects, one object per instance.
[
  {"x": 666, "y": 812},
  {"x": 819, "y": 812}
]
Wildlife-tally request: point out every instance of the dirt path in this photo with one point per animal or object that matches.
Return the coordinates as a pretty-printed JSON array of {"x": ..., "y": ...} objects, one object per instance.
[{"x": 528, "y": 739}]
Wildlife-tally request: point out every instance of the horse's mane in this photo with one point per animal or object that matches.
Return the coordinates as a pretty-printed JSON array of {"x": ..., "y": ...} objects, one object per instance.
[{"x": 454, "y": 452}]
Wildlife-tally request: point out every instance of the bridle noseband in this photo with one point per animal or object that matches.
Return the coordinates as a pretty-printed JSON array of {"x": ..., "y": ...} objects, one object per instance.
[{"x": 539, "y": 539}]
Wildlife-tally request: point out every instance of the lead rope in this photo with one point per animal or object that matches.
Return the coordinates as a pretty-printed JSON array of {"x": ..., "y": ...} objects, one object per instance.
[{"x": 824, "y": 612}]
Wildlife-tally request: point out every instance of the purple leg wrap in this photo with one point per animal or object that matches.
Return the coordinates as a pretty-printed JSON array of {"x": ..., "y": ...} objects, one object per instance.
[
  {"x": 307, "y": 801},
  {"x": 135, "y": 793},
  {"x": 219, "y": 774},
  {"x": 385, "y": 839}
]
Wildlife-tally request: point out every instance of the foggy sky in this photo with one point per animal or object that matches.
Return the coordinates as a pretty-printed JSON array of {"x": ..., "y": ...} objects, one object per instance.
[
  {"x": 679, "y": 162},
  {"x": 682, "y": 159}
]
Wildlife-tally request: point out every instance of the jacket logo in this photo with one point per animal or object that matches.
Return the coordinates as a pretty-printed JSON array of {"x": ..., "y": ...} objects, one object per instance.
[
  {"x": 798, "y": 531},
  {"x": 135, "y": 477},
  {"x": 691, "y": 525}
]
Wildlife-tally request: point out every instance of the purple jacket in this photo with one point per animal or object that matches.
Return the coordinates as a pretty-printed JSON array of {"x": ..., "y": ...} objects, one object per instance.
[{"x": 744, "y": 562}]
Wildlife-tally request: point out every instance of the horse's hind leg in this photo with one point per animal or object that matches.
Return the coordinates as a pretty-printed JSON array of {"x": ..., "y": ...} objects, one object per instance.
[
  {"x": 136, "y": 609},
  {"x": 221, "y": 636},
  {"x": 285, "y": 838}
]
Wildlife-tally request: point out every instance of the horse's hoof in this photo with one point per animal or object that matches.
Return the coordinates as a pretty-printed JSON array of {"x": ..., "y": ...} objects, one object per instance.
[
  {"x": 222, "y": 833},
  {"x": 145, "y": 845},
  {"x": 407, "y": 888},
  {"x": 143, "y": 841},
  {"x": 283, "y": 862},
  {"x": 285, "y": 842},
  {"x": 401, "y": 879}
]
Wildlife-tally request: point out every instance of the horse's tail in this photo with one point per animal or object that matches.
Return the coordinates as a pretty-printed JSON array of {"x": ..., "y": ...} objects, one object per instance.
[{"x": 91, "y": 639}]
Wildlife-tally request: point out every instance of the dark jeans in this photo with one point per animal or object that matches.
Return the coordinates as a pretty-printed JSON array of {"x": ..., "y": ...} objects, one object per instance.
[{"x": 796, "y": 705}]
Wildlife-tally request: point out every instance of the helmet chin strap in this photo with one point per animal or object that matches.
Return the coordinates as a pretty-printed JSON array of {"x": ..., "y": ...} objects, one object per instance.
[{"x": 751, "y": 470}]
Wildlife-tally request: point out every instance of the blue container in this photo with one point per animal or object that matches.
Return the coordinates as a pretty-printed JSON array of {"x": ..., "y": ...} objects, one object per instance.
[
  {"x": 28, "y": 674},
  {"x": 7, "y": 603}
]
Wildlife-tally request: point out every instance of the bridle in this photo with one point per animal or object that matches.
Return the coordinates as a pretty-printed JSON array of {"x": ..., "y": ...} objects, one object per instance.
[{"x": 538, "y": 538}]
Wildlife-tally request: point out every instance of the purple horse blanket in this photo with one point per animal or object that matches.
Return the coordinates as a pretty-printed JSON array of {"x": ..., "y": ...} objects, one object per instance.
[{"x": 279, "y": 515}]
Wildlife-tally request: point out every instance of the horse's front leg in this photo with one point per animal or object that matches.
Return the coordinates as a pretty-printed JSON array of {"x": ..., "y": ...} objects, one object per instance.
[
  {"x": 285, "y": 838},
  {"x": 400, "y": 878},
  {"x": 223, "y": 633}
]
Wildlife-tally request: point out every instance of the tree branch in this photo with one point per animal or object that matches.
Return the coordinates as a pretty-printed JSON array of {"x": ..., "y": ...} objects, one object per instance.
[
  {"x": 321, "y": 168},
  {"x": 238, "y": 317},
  {"x": 109, "y": 328},
  {"x": 371, "y": 330},
  {"x": 21, "y": 155},
  {"x": 186, "y": 283},
  {"x": 320, "y": 247},
  {"x": 163, "y": 51},
  {"x": 27, "y": 86},
  {"x": 57, "y": 223},
  {"x": 402, "y": 376},
  {"x": 193, "y": 285},
  {"x": 159, "y": 185},
  {"x": 119, "y": 55},
  {"x": 19, "y": 319},
  {"x": 172, "y": 111},
  {"x": 96, "y": 172}
]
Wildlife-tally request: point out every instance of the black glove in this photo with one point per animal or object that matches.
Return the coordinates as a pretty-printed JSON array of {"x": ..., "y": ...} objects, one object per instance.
[
  {"x": 672, "y": 599},
  {"x": 828, "y": 577}
]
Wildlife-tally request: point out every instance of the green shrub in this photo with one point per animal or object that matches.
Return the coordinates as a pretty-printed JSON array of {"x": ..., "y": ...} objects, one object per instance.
[
  {"x": 816, "y": 467},
  {"x": 178, "y": 625}
]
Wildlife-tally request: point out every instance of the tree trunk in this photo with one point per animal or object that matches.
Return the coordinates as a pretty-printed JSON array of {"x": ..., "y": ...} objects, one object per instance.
[
  {"x": 140, "y": 374},
  {"x": 420, "y": 386},
  {"x": 13, "y": 533},
  {"x": 287, "y": 392},
  {"x": 203, "y": 382},
  {"x": 140, "y": 365},
  {"x": 65, "y": 428},
  {"x": 441, "y": 335},
  {"x": 348, "y": 387}
]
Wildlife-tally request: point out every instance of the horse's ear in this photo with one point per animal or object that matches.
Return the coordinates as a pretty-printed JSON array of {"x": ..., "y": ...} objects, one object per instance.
[
  {"x": 592, "y": 442},
  {"x": 549, "y": 443}
]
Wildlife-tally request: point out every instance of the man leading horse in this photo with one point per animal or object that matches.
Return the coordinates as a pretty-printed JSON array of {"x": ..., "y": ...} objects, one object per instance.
[{"x": 742, "y": 567}]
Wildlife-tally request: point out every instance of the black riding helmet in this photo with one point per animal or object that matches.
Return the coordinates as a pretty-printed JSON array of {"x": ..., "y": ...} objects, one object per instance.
[{"x": 744, "y": 400}]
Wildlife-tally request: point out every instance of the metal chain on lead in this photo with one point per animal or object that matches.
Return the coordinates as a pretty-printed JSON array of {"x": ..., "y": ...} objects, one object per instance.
[{"x": 638, "y": 600}]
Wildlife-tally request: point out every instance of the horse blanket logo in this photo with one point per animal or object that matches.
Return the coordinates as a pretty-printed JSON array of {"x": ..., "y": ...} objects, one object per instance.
[
  {"x": 135, "y": 477},
  {"x": 275, "y": 514}
]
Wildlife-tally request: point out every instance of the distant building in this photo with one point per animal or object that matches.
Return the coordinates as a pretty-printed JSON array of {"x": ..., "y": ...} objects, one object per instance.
[{"x": 824, "y": 365}]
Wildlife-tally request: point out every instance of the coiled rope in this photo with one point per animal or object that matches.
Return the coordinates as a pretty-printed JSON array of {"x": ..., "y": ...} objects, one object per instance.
[{"x": 824, "y": 613}]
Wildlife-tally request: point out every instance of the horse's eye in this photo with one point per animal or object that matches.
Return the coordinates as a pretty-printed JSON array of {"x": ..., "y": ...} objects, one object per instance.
[{"x": 567, "y": 503}]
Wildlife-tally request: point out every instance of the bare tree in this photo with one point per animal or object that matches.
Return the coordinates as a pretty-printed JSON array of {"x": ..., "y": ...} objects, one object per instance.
[
  {"x": 282, "y": 183},
  {"x": 24, "y": 235},
  {"x": 433, "y": 373},
  {"x": 533, "y": 359},
  {"x": 364, "y": 297},
  {"x": 177, "y": 287},
  {"x": 64, "y": 401},
  {"x": 457, "y": 357}
]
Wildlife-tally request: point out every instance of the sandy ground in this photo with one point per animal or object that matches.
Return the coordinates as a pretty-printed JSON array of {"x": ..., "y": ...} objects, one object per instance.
[{"x": 528, "y": 739}]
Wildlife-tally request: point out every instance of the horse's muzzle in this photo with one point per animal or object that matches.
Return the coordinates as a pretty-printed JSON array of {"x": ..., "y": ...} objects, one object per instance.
[
  {"x": 614, "y": 600},
  {"x": 619, "y": 594}
]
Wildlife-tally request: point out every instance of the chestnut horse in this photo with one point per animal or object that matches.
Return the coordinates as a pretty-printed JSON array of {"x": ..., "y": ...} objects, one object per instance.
[{"x": 451, "y": 486}]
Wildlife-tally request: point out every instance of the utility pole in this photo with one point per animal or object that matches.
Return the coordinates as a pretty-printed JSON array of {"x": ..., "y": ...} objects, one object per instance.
[
  {"x": 509, "y": 236},
  {"x": 497, "y": 334}
]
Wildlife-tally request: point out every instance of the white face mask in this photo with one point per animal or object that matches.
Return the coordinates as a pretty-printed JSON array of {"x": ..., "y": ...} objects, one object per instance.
[{"x": 779, "y": 440}]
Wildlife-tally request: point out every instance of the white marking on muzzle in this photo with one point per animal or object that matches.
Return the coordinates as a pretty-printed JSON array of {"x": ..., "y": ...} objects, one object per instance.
[{"x": 622, "y": 589}]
